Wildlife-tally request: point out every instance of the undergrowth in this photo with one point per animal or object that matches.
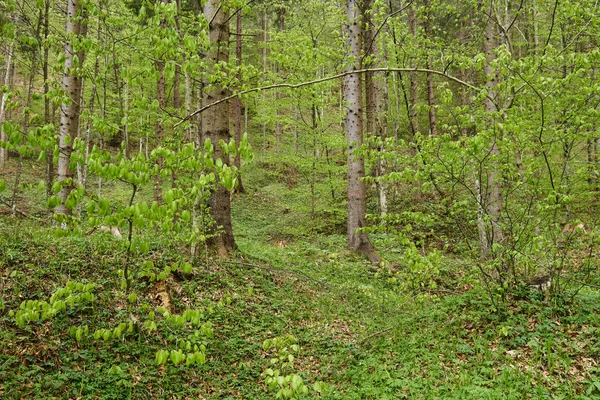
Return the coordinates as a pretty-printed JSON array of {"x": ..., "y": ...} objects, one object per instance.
[{"x": 292, "y": 314}]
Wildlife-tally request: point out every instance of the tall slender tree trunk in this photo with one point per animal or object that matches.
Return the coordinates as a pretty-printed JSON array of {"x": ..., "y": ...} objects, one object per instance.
[
  {"x": 430, "y": 93},
  {"x": 76, "y": 28},
  {"x": 3, "y": 101},
  {"x": 490, "y": 194},
  {"x": 357, "y": 206},
  {"x": 83, "y": 169},
  {"x": 47, "y": 119},
  {"x": 382, "y": 185},
  {"x": 264, "y": 62},
  {"x": 26, "y": 117},
  {"x": 372, "y": 101},
  {"x": 413, "y": 82},
  {"x": 160, "y": 97},
  {"x": 190, "y": 134},
  {"x": 373, "y": 90},
  {"x": 278, "y": 95},
  {"x": 237, "y": 102},
  {"x": 177, "y": 76},
  {"x": 215, "y": 124},
  {"x": 464, "y": 98}
]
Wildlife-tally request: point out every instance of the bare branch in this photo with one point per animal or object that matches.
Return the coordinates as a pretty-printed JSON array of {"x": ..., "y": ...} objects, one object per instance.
[{"x": 326, "y": 79}]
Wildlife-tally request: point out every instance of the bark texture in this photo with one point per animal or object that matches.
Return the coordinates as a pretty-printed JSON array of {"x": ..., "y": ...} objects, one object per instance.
[
  {"x": 71, "y": 109},
  {"x": 215, "y": 124},
  {"x": 237, "y": 102},
  {"x": 162, "y": 104},
  {"x": 357, "y": 206},
  {"x": 490, "y": 194},
  {"x": 429, "y": 62},
  {"x": 3, "y": 101}
]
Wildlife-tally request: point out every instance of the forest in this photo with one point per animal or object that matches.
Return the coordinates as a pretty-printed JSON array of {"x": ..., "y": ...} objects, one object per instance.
[{"x": 279, "y": 199}]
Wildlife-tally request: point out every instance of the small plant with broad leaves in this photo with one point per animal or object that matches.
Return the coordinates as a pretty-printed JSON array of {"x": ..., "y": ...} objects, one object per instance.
[
  {"x": 281, "y": 378},
  {"x": 71, "y": 296}
]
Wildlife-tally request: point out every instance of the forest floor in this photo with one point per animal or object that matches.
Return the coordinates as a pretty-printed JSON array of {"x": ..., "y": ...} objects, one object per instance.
[{"x": 364, "y": 331}]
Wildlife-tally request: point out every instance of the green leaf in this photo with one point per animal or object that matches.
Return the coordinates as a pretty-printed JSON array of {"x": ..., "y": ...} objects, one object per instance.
[
  {"x": 177, "y": 356},
  {"x": 161, "y": 357}
]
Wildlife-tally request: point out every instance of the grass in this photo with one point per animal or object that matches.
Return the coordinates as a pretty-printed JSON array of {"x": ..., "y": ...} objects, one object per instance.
[{"x": 366, "y": 335}]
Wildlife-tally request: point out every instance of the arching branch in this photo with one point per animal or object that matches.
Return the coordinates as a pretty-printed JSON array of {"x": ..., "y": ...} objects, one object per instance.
[{"x": 326, "y": 79}]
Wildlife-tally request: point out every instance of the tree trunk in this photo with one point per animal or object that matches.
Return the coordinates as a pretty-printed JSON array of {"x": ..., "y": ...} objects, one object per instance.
[
  {"x": 177, "y": 76},
  {"x": 278, "y": 95},
  {"x": 413, "y": 89},
  {"x": 373, "y": 101},
  {"x": 26, "y": 117},
  {"x": 264, "y": 62},
  {"x": 215, "y": 125},
  {"x": 237, "y": 102},
  {"x": 490, "y": 195},
  {"x": 70, "y": 110},
  {"x": 3, "y": 101},
  {"x": 82, "y": 170},
  {"x": 357, "y": 240},
  {"x": 430, "y": 94},
  {"x": 160, "y": 97},
  {"x": 47, "y": 119}
]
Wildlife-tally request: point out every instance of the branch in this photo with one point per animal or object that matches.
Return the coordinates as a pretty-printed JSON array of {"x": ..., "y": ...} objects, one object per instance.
[
  {"x": 393, "y": 14},
  {"x": 326, "y": 79}
]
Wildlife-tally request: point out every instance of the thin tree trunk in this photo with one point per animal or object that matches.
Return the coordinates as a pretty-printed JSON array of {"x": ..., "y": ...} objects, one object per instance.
[
  {"x": 490, "y": 196},
  {"x": 70, "y": 110},
  {"x": 199, "y": 129},
  {"x": 357, "y": 207},
  {"x": 82, "y": 170},
  {"x": 237, "y": 103},
  {"x": 373, "y": 101},
  {"x": 160, "y": 97},
  {"x": 3, "y": 101},
  {"x": 216, "y": 126},
  {"x": 26, "y": 116},
  {"x": 264, "y": 60},
  {"x": 177, "y": 76},
  {"x": 126, "y": 120},
  {"x": 119, "y": 86},
  {"x": 381, "y": 162},
  {"x": 413, "y": 89},
  {"x": 536, "y": 36},
  {"x": 103, "y": 114},
  {"x": 278, "y": 95},
  {"x": 190, "y": 134},
  {"x": 47, "y": 119},
  {"x": 430, "y": 93},
  {"x": 464, "y": 99}
]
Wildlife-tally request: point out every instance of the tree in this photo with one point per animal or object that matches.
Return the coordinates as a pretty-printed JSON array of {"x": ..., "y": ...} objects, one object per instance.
[
  {"x": 357, "y": 196},
  {"x": 76, "y": 28},
  {"x": 215, "y": 122},
  {"x": 490, "y": 194},
  {"x": 237, "y": 103},
  {"x": 3, "y": 101}
]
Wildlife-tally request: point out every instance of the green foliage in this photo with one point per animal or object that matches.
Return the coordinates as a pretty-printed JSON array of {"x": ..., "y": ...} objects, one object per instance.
[
  {"x": 72, "y": 295},
  {"x": 280, "y": 378}
]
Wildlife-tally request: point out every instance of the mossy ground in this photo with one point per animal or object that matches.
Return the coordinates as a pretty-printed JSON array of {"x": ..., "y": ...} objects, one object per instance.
[{"x": 367, "y": 336}]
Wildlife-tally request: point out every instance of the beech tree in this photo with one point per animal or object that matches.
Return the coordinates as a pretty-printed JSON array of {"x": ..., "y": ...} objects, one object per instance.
[
  {"x": 76, "y": 29},
  {"x": 215, "y": 121},
  {"x": 358, "y": 240}
]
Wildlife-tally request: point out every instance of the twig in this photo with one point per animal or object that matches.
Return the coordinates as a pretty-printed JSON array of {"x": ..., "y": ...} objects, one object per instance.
[
  {"x": 376, "y": 334},
  {"x": 382, "y": 25},
  {"x": 6, "y": 203}
]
